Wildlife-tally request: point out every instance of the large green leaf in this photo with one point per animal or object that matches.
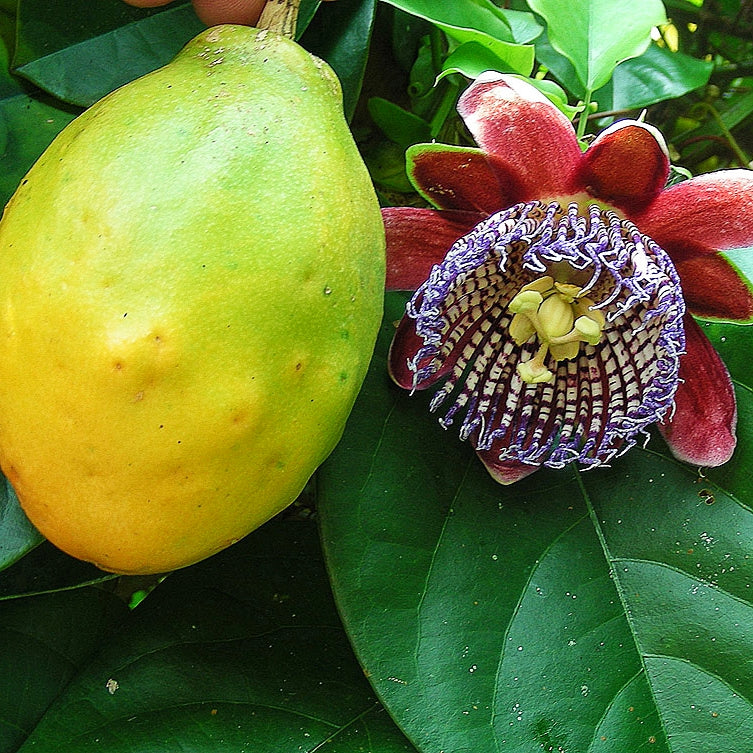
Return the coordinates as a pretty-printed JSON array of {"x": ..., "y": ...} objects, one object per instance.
[
  {"x": 656, "y": 75},
  {"x": 595, "y": 35},
  {"x": 482, "y": 22},
  {"x": 43, "y": 640},
  {"x": 46, "y": 569},
  {"x": 79, "y": 51},
  {"x": 602, "y": 611},
  {"x": 28, "y": 122},
  {"x": 244, "y": 652},
  {"x": 340, "y": 33}
]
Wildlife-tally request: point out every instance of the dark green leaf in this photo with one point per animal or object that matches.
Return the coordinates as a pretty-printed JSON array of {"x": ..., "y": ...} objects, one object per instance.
[
  {"x": 79, "y": 57},
  {"x": 244, "y": 652},
  {"x": 656, "y": 75},
  {"x": 28, "y": 122},
  {"x": 397, "y": 124},
  {"x": 602, "y": 611},
  {"x": 43, "y": 640},
  {"x": 735, "y": 344},
  {"x": 79, "y": 52},
  {"x": 340, "y": 33},
  {"x": 46, "y": 569}
]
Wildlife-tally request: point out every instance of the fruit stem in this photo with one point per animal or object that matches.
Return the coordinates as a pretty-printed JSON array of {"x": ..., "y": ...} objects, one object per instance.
[{"x": 280, "y": 16}]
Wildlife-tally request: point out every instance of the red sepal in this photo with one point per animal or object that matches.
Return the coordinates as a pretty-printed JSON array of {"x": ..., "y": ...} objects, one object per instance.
[
  {"x": 702, "y": 429},
  {"x": 454, "y": 177},
  {"x": 419, "y": 238},
  {"x": 713, "y": 288},
  {"x": 533, "y": 141},
  {"x": 627, "y": 165},
  {"x": 711, "y": 211}
]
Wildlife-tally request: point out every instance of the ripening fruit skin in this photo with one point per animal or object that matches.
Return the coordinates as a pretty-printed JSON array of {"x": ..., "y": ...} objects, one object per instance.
[{"x": 192, "y": 283}]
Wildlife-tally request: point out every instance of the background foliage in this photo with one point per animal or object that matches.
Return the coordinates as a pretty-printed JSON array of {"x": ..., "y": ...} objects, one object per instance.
[{"x": 601, "y": 612}]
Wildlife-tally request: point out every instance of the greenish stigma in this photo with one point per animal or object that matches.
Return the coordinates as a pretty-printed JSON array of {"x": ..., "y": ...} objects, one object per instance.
[{"x": 560, "y": 317}]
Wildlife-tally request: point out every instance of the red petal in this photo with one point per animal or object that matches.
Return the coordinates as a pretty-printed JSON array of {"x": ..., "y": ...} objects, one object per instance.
[
  {"x": 405, "y": 344},
  {"x": 529, "y": 137},
  {"x": 507, "y": 472},
  {"x": 702, "y": 429},
  {"x": 419, "y": 238},
  {"x": 453, "y": 177},
  {"x": 711, "y": 211},
  {"x": 714, "y": 289},
  {"x": 627, "y": 165}
]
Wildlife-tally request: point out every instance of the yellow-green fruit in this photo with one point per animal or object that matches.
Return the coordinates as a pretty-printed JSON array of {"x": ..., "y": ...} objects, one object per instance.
[{"x": 192, "y": 284}]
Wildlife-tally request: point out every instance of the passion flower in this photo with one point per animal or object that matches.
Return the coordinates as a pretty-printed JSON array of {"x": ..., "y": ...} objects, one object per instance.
[{"x": 557, "y": 326}]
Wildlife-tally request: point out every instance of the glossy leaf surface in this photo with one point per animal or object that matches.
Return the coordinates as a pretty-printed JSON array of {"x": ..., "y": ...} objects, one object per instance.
[
  {"x": 595, "y": 35},
  {"x": 482, "y": 22},
  {"x": 80, "y": 63},
  {"x": 28, "y": 122},
  {"x": 43, "y": 641},
  {"x": 242, "y": 652},
  {"x": 602, "y": 611},
  {"x": 340, "y": 34},
  {"x": 655, "y": 75}
]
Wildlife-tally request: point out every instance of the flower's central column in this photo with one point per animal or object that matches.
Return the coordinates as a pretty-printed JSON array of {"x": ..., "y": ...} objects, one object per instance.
[{"x": 560, "y": 316}]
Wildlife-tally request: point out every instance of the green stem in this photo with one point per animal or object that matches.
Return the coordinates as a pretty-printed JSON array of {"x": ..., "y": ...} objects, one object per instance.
[
  {"x": 742, "y": 157},
  {"x": 583, "y": 118},
  {"x": 436, "y": 45},
  {"x": 446, "y": 106}
]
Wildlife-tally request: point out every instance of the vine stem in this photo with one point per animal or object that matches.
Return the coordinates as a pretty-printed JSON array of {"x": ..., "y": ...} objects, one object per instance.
[
  {"x": 280, "y": 16},
  {"x": 742, "y": 157},
  {"x": 583, "y": 120}
]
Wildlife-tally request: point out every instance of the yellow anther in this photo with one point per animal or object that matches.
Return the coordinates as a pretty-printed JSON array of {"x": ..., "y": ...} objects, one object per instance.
[
  {"x": 588, "y": 329},
  {"x": 560, "y": 317},
  {"x": 533, "y": 372},
  {"x": 569, "y": 292},
  {"x": 521, "y": 329},
  {"x": 541, "y": 285},
  {"x": 526, "y": 301}
]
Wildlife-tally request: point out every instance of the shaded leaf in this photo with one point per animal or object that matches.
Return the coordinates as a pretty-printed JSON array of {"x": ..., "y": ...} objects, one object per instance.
[
  {"x": 28, "y": 123},
  {"x": 242, "y": 652},
  {"x": 602, "y": 611},
  {"x": 340, "y": 33},
  {"x": 78, "y": 51},
  {"x": 45, "y": 569},
  {"x": 656, "y": 75},
  {"x": 81, "y": 51},
  {"x": 43, "y": 640},
  {"x": 595, "y": 35},
  {"x": 397, "y": 124}
]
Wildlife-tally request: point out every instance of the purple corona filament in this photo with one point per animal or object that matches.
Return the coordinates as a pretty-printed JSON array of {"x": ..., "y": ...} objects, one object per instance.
[{"x": 598, "y": 402}]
